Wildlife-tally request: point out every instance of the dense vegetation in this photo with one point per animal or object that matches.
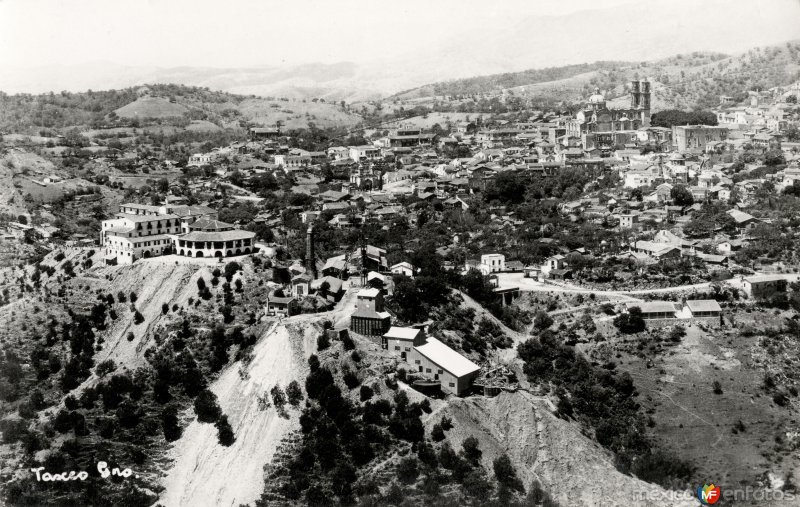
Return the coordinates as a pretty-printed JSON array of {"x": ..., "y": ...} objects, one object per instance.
[
  {"x": 342, "y": 441},
  {"x": 496, "y": 82},
  {"x": 125, "y": 416},
  {"x": 606, "y": 403},
  {"x": 18, "y": 113},
  {"x": 671, "y": 117}
]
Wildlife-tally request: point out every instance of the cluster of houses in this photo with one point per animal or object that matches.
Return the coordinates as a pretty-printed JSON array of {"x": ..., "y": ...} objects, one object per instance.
[{"x": 428, "y": 357}]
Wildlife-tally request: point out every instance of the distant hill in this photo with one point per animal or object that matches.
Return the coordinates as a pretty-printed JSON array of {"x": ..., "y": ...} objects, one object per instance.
[
  {"x": 151, "y": 107},
  {"x": 686, "y": 81},
  {"x": 627, "y": 33},
  {"x": 196, "y": 109}
]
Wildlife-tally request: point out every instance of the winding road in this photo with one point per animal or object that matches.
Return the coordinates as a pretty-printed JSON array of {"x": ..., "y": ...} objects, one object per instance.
[{"x": 507, "y": 280}]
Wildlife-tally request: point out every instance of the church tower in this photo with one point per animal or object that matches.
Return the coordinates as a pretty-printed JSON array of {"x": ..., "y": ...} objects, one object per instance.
[
  {"x": 636, "y": 96},
  {"x": 645, "y": 101}
]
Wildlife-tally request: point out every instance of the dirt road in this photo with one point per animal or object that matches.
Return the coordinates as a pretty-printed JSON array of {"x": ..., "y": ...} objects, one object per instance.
[{"x": 530, "y": 285}]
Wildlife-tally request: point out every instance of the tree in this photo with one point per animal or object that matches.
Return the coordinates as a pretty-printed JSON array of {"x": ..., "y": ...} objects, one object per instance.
[
  {"x": 294, "y": 393},
  {"x": 477, "y": 486},
  {"x": 631, "y": 322},
  {"x": 542, "y": 320},
  {"x": 206, "y": 407},
  {"x": 471, "y": 449},
  {"x": 506, "y": 475},
  {"x": 138, "y": 318},
  {"x": 278, "y": 397},
  {"x": 681, "y": 196},
  {"x": 407, "y": 470},
  {"x": 224, "y": 431},
  {"x": 365, "y": 393},
  {"x": 170, "y": 423},
  {"x": 671, "y": 117},
  {"x": 323, "y": 342}
]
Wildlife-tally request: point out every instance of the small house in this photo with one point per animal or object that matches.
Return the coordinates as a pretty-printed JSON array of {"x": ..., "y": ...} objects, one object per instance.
[
  {"x": 403, "y": 268},
  {"x": 400, "y": 340},
  {"x": 764, "y": 286},
  {"x": 277, "y": 305},
  {"x": 656, "y": 309},
  {"x": 699, "y": 308}
]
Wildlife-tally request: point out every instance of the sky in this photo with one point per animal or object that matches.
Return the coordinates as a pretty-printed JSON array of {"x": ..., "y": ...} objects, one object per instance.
[{"x": 240, "y": 33}]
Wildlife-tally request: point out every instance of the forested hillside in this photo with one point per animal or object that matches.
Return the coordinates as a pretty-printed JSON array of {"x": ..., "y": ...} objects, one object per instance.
[
  {"x": 164, "y": 104},
  {"x": 687, "y": 81}
]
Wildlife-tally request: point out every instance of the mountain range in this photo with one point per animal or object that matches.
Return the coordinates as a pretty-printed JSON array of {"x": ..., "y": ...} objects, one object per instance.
[{"x": 613, "y": 33}]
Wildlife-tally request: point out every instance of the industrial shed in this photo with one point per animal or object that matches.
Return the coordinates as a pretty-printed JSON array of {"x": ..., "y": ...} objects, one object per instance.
[{"x": 436, "y": 360}]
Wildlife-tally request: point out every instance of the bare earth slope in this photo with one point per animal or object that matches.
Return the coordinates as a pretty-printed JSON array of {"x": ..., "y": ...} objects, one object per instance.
[
  {"x": 155, "y": 282},
  {"x": 574, "y": 469},
  {"x": 206, "y": 473}
]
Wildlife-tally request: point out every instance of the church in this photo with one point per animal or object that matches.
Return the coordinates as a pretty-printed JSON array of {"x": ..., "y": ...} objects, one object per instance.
[
  {"x": 599, "y": 127},
  {"x": 366, "y": 176}
]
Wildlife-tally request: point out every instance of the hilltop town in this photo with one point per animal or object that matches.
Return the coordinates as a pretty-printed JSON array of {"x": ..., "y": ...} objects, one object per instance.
[{"x": 459, "y": 298}]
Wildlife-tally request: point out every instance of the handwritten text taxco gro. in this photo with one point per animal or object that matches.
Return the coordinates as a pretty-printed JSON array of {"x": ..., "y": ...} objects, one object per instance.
[{"x": 72, "y": 475}]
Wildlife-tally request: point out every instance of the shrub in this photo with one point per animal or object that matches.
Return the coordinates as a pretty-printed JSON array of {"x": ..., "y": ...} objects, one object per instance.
[
  {"x": 294, "y": 393},
  {"x": 351, "y": 380},
  {"x": 366, "y": 393},
  {"x": 780, "y": 399},
  {"x": 506, "y": 475},
  {"x": 542, "y": 320},
  {"x": 395, "y": 496},
  {"x": 105, "y": 368},
  {"x": 446, "y": 423},
  {"x": 348, "y": 342},
  {"x": 677, "y": 333},
  {"x": 631, "y": 322},
  {"x": 278, "y": 397},
  {"x": 407, "y": 470},
  {"x": 717, "y": 387},
  {"x": 71, "y": 403},
  {"x": 471, "y": 449}
]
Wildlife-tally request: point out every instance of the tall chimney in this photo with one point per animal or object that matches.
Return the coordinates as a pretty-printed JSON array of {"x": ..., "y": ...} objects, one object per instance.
[{"x": 310, "y": 260}]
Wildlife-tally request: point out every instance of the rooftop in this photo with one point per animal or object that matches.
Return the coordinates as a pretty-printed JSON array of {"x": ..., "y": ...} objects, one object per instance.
[
  {"x": 446, "y": 357},
  {"x": 703, "y": 305},
  {"x": 217, "y": 236},
  {"x": 400, "y": 333},
  {"x": 654, "y": 306},
  {"x": 369, "y": 293}
]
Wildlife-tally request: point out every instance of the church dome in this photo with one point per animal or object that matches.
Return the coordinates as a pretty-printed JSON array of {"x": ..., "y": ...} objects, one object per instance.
[{"x": 597, "y": 97}]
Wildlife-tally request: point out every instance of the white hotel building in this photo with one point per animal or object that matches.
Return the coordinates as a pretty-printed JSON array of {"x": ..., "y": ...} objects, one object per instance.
[{"x": 142, "y": 231}]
